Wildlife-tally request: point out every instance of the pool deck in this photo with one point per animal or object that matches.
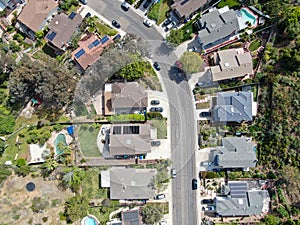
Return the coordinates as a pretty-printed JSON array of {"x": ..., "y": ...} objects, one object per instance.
[{"x": 51, "y": 140}]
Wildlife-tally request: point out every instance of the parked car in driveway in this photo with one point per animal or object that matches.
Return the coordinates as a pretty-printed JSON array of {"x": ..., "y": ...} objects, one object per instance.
[
  {"x": 156, "y": 109},
  {"x": 194, "y": 184},
  {"x": 208, "y": 208},
  {"x": 205, "y": 114},
  {"x": 207, "y": 201},
  {"x": 155, "y": 102},
  {"x": 148, "y": 22},
  {"x": 147, "y": 3},
  {"x": 169, "y": 26},
  {"x": 193, "y": 49},
  {"x": 167, "y": 22},
  {"x": 83, "y": 1},
  {"x": 155, "y": 143},
  {"x": 156, "y": 66},
  {"x": 116, "y": 24}
]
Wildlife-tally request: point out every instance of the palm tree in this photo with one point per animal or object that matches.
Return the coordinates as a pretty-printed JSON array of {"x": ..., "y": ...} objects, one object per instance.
[
  {"x": 49, "y": 166},
  {"x": 73, "y": 178}
]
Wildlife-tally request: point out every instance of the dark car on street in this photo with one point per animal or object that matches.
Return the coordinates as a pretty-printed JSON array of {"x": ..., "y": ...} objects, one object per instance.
[
  {"x": 155, "y": 102},
  {"x": 156, "y": 66},
  {"x": 156, "y": 109},
  {"x": 194, "y": 184},
  {"x": 116, "y": 24}
]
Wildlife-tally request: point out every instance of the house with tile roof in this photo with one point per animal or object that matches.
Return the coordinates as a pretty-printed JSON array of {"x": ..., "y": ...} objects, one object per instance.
[
  {"x": 35, "y": 15},
  {"x": 61, "y": 29},
  {"x": 240, "y": 200},
  {"x": 234, "y": 107},
  {"x": 185, "y": 8},
  {"x": 124, "y": 98},
  {"x": 90, "y": 48},
  {"x": 129, "y": 139},
  {"x": 235, "y": 153},
  {"x": 129, "y": 183},
  {"x": 230, "y": 64}
]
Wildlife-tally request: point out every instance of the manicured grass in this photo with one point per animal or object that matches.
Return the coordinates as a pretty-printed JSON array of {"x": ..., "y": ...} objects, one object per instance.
[
  {"x": 254, "y": 45},
  {"x": 126, "y": 117},
  {"x": 158, "y": 11},
  {"x": 103, "y": 29},
  {"x": 161, "y": 126},
  {"x": 87, "y": 135},
  {"x": 232, "y": 4}
]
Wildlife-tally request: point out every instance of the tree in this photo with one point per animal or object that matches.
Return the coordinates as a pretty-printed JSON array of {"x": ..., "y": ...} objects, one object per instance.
[
  {"x": 191, "y": 62},
  {"x": 175, "y": 37},
  {"x": 49, "y": 166},
  {"x": 7, "y": 124},
  {"x": 3, "y": 146},
  {"x": 73, "y": 178},
  {"x": 271, "y": 220},
  {"x": 152, "y": 213},
  {"x": 132, "y": 71},
  {"x": 76, "y": 208}
]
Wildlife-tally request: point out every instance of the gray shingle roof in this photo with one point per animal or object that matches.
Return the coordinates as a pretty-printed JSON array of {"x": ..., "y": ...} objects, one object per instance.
[
  {"x": 131, "y": 183},
  {"x": 231, "y": 63},
  {"x": 131, "y": 217},
  {"x": 123, "y": 143},
  {"x": 218, "y": 25},
  {"x": 233, "y": 107},
  {"x": 185, "y": 8},
  {"x": 255, "y": 203},
  {"x": 236, "y": 152}
]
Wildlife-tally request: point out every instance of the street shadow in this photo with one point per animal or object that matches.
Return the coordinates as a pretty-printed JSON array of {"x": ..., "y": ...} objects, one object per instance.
[{"x": 176, "y": 75}]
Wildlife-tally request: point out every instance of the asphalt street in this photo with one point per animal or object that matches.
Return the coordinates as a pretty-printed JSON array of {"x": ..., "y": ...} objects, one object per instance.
[{"x": 183, "y": 125}]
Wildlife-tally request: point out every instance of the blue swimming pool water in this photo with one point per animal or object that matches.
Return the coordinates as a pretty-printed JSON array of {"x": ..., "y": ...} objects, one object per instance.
[
  {"x": 90, "y": 221},
  {"x": 248, "y": 16}
]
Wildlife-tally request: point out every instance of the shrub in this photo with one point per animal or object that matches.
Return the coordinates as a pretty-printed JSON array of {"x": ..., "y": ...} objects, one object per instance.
[
  {"x": 21, "y": 162},
  {"x": 39, "y": 204},
  {"x": 154, "y": 115}
]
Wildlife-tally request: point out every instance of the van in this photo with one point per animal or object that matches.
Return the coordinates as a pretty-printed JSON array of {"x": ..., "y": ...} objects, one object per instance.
[{"x": 173, "y": 172}]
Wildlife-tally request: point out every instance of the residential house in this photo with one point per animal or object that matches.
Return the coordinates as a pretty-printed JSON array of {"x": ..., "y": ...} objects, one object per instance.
[
  {"x": 234, "y": 107},
  {"x": 218, "y": 28},
  {"x": 35, "y": 15},
  {"x": 240, "y": 200},
  {"x": 186, "y": 8},
  {"x": 90, "y": 48},
  {"x": 131, "y": 217},
  {"x": 61, "y": 29},
  {"x": 124, "y": 98},
  {"x": 230, "y": 64},
  {"x": 10, "y": 4},
  {"x": 129, "y": 183},
  {"x": 235, "y": 153},
  {"x": 129, "y": 139}
]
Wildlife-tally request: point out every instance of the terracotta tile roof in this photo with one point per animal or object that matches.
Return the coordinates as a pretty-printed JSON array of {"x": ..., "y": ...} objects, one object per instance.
[
  {"x": 89, "y": 50},
  {"x": 36, "y": 12}
]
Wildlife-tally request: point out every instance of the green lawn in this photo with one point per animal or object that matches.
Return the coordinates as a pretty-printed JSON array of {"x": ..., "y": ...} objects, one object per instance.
[
  {"x": 254, "y": 45},
  {"x": 158, "y": 11},
  {"x": 103, "y": 29},
  {"x": 87, "y": 135},
  {"x": 232, "y": 4},
  {"x": 161, "y": 126}
]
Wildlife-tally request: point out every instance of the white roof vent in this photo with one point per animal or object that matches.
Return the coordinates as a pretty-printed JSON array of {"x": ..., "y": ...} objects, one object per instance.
[
  {"x": 226, "y": 64},
  {"x": 213, "y": 25},
  {"x": 128, "y": 142}
]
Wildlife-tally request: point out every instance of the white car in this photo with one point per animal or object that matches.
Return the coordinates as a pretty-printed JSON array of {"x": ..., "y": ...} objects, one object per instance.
[{"x": 148, "y": 22}]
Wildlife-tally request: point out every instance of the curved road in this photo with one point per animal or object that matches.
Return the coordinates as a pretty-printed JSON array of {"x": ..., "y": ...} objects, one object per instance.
[{"x": 183, "y": 130}]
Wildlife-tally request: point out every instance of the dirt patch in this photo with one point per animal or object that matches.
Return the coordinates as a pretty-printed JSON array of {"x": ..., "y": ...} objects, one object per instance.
[{"x": 16, "y": 201}]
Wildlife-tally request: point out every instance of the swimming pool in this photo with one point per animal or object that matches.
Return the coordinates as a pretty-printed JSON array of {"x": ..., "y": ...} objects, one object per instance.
[
  {"x": 88, "y": 220},
  {"x": 248, "y": 16},
  {"x": 61, "y": 138}
]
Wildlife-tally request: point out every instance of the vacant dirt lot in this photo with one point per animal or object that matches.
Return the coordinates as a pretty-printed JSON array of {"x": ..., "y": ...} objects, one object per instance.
[{"x": 16, "y": 201}]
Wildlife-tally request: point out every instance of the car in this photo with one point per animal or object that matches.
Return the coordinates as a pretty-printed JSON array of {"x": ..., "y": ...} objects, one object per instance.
[
  {"x": 156, "y": 66},
  {"x": 160, "y": 196},
  {"x": 148, "y": 23},
  {"x": 88, "y": 15},
  {"x": 155, "y": 102},
  {"x": 194, "y": 184},
  {"x": 116, "y": 24},
  {"x": 169, "y": 26},
  {"x": 147, "y": 3},
  {"x": 125, "y": 6},
  {"x": 167, "y": 22},
  {"x": 207, "y": 201},
  {"x": 156, "y": 109},
  {"x": 155, "y": 143},
  {"x": 208, "y": 208},
  {"x": 205, "y": 114},
  {"x": 193, "y": 49},
  {"x": 118, "y": 36},
  {"x": 173, "y": 172},
  {"x": 83, "y": 1}
]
